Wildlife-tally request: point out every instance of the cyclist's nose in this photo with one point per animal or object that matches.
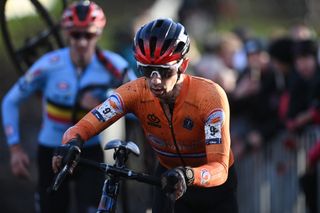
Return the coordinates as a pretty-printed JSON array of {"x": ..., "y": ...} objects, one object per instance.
[
  {"x": 155, "y": 77},
  {"x": 83, "y": 42}
]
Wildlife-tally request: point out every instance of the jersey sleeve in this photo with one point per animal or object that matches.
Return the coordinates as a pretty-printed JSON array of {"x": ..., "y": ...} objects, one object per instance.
[
  {"x": 33, "y": 80},
  {"x": 215, "y": 108},
  {"x": 120, "y": 102}
]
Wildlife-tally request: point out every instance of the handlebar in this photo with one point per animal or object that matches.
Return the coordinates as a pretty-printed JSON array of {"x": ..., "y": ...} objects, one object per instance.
[
  {"x": 108, "y": 169},
  {"x": 123, "y": 172},
  {"x": 118, "y": 170}
]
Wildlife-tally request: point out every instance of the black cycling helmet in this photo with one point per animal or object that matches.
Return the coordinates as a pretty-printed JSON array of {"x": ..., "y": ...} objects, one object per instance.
[{"x": 161, "y": 41}]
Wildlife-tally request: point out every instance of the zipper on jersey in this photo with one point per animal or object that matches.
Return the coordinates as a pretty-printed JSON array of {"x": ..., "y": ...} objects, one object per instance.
[
  {"x": 76, "y": 105},
  {"x": 175, "y": 142},
  {"x": 173, "y": 135}
]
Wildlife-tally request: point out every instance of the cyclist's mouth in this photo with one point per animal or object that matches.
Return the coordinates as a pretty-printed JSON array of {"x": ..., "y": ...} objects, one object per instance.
[
  {"x": 157, "y": 92},
  {"x": 82, "y": 50}
]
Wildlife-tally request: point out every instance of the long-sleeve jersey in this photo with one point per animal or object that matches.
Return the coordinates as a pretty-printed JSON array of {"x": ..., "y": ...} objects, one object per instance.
[
  {"x": 197, "y": 135},
  {"x": 55, "y": 76}
]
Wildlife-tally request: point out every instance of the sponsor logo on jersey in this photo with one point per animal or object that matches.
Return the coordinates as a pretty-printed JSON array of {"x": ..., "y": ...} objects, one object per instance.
[
  {"x": 63, "y": 85},
  {"x": 213, "y": 127},
  {"x": 153, "y": 120},
  {"x": 188, "y": 123},
  {"x": 110, "y": 108},
  {"x": 205, "y": 176},
  {"x": 54, "y": 58}
]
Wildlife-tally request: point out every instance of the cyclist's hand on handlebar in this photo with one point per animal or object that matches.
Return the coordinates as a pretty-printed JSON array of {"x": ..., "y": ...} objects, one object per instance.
[
  {"x": 19, "y": 162},
  {"x": 67, "y": 154},
  {"x": 174, "y": 182}
]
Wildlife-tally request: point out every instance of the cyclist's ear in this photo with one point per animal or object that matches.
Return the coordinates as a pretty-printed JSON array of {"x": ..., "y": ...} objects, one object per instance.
[{"x": 184, "y": 65}]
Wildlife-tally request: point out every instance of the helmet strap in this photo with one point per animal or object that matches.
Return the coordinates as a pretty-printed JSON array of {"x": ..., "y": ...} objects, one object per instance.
[{"x": 184, "y": 65}]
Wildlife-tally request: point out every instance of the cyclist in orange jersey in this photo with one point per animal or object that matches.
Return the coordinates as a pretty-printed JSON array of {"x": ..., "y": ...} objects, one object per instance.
[{"x": 186, "y": 121}]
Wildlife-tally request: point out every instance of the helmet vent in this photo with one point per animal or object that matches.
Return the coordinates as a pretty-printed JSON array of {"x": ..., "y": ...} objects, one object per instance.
[
  {"x": 165, "y": 46},
  {"x": 141, "y": 46},
  {"x": 82, "y": 12},
  {"x": 179, "y": 47},
  {"x": 159, "y": 23},
  {"x": 153, "y": 42}
]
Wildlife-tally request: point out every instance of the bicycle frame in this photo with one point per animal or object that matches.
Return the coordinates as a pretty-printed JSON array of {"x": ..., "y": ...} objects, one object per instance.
[
  {"x": 114, "y": 173},
  {"x": 111, "y": 185}
]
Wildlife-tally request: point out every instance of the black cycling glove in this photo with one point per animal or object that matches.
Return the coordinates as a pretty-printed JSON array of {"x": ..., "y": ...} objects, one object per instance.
[
  {"x": 70, "y": 152},
  {"x": 175, "y": 181}
]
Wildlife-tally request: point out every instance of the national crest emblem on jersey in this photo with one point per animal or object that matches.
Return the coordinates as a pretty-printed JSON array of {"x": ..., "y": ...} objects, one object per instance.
[{"x": 188, "y": 123}]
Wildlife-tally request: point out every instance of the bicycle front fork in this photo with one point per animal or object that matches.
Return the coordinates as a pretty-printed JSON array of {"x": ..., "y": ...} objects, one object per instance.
[{"x": 109, "y": 196}]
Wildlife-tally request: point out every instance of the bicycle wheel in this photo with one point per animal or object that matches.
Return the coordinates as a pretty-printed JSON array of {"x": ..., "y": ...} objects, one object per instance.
[{"x": 27, "y": 38}]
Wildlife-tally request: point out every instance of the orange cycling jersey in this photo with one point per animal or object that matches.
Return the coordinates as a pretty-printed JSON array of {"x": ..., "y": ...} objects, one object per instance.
[{"x": 198, "y": 132}]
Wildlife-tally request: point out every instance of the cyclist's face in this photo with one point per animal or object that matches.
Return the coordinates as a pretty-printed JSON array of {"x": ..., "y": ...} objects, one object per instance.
[
  {"x": 161, "y": 79},
  {"x": 82, "y": 43}
]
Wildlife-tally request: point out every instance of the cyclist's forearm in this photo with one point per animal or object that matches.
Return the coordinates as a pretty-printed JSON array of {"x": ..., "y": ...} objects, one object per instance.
[
  {"x": 10, "y": 115},
  {"x": 209, "y": 175},
  {"x": 84, "y": 128}
]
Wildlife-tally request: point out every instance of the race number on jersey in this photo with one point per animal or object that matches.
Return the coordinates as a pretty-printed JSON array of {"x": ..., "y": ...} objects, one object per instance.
[
  {"x": 110, "y": 108},
  {"x": 213, "y": 127}
]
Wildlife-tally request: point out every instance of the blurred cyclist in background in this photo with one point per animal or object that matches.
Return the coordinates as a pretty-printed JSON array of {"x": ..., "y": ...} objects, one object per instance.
[
  {"x": 71, "y": 80},
  {"x": 186, "y": 121}
]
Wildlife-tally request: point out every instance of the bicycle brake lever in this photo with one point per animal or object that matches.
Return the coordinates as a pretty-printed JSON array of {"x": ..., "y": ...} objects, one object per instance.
[
  {"x": 72, "y": 157},
  {"x": 60, "y": 177}
]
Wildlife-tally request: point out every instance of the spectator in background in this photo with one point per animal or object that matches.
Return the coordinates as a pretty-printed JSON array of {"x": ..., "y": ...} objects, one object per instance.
[
  {"x": 252, "y": 101},
  {"x": 71, "y": 80},
  {"x": 240, "y": 58},
  {"x": 217, "y": 53},
  {"x": 228, "y": 46},
  {"x": 300, "y": 32},
  {"x": 304, "y": 91},
  {"x": 281, "y": 61}
]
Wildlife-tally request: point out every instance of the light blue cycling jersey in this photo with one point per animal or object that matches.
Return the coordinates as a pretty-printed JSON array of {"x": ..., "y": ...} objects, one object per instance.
[{"x": 55, "y": 76}]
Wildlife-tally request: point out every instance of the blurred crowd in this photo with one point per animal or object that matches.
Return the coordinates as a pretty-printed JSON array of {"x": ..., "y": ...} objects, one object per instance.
[{"x": 272, "y": 84}]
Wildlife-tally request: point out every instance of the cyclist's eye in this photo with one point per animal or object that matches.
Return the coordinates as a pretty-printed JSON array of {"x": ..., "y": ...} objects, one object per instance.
[
  {"x": 77, "y": 35},
  {"x": 166, "y": 72},
  {"x": 145, "y": 71}
]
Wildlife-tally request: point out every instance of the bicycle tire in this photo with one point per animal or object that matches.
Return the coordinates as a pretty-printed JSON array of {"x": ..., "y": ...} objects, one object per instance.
[{"x": 14, "y": 53}]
